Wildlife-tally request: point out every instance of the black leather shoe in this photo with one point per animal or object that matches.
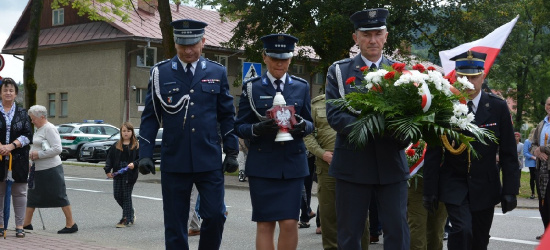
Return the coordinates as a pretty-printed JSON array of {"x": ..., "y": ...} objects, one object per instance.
[
  {"x": 68, "y": 230},
  {"x": 28, "y": 227}
]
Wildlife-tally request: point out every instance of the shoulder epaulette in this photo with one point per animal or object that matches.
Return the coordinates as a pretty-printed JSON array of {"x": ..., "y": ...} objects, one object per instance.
[
  {"x": 161, "y": 62},
  {"x": 214, "y": 62},
  {"x": 343, "y": 61},
  {"x": 299, "y": 79},
  {"x": 251, "y": 79},
  {"x": 496, "y": 96},
  {"x": 318, "y": 98}
]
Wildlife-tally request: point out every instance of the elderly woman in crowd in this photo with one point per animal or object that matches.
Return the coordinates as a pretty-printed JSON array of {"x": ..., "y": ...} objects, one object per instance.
[
  {"x": 49, "y": 183},
  {"x": 15, "y": 134}
]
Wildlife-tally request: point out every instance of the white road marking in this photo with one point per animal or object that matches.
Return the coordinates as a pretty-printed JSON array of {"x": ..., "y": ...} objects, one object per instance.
[
  {"x": 535, "y": 243},
  {"x": 85, "y": 190},
  {"x": 68, "y": 178}
]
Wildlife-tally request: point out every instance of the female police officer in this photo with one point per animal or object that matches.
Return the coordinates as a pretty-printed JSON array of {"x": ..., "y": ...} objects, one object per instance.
[{"x": 275, "y": 169}]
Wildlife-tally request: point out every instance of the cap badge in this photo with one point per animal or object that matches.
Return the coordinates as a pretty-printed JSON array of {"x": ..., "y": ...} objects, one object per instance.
[
  {"x": 185, "y": 24},
  {"x": 372, "y": 14},
  {"x": 280, "y": 38},
  {"x": 470, "y": 56}
]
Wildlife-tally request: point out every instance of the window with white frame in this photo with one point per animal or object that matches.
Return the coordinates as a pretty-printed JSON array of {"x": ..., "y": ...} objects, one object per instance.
[
  {"x": 140, "y": 96},
  {"x": 223, "y": 60},
  {"x": 297, "y": 69},
  {"x": 51, "y": 104},
  {"x": 147, "y": 58},
  {"x": 58, "y": 17},
  {"x": 64, "y": 104}
]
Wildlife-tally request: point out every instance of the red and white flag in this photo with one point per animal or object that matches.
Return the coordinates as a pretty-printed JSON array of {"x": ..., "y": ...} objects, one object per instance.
[{"x": 490, "y": 45}]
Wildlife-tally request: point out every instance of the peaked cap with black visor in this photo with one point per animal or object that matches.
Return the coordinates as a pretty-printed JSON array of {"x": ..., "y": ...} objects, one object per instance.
[
  {"x": 470, "y": 63},
  {"x": 187, "y": 31}
]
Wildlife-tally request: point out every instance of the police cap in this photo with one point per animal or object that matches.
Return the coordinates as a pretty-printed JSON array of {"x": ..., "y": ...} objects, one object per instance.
[
  {"x": 279, "y": 46},
  {"x": 187, "y": 31},
  {"x": 470, "y": 63},
  {"x": 371, "y": 19}
]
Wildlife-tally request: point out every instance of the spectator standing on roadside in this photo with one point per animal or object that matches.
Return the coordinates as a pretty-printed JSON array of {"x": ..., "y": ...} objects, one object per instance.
[
  {"x": 530, "y": 163},
  {"x": 124, "y": 154}
]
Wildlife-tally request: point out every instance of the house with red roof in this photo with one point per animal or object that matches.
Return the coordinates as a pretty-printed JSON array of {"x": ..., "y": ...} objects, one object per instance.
[{"x": 100, "y": 69}]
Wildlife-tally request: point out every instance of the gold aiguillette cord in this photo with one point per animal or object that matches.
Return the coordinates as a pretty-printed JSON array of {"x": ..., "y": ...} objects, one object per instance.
[{"x": 456, "y": 151}]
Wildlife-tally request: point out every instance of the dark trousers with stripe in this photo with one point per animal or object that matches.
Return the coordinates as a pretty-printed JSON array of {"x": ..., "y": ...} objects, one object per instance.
[
  {"x": 470, "y": 229},
  {"x": 122, "y": 190}
]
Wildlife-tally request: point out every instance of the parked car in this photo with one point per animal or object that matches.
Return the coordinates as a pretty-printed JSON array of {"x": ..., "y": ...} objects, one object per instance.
[
  {"x": 96, "y": 151},
  {"x": 74, "y": 135}
]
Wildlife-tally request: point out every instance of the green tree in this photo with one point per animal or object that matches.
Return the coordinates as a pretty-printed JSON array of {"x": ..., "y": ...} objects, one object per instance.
[
  {"x": 32, "y": 51},
  {"x": 323, "y": 25}
]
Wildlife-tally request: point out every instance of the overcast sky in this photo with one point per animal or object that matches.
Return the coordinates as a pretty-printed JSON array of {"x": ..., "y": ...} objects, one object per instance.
[{"x": 10, "y": 11}]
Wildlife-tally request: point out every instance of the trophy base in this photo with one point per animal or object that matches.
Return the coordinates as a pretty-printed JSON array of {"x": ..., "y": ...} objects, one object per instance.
[{"x": 283, "y": 136}]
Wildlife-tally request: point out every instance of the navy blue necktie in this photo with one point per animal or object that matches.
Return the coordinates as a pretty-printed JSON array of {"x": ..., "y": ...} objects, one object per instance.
[
  {"x": 278, "y": 83},
  {"x": 372, "y": 67},
  {"x": 188, "y": 71},
  {"x": 471, "y": 107}
]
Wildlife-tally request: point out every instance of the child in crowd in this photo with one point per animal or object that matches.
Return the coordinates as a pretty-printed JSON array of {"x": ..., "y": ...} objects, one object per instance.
[{"x": 121, "y": 159}]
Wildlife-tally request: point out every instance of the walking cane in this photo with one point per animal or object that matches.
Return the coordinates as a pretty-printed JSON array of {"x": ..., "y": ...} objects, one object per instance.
[{"x": 40, "y": 213}]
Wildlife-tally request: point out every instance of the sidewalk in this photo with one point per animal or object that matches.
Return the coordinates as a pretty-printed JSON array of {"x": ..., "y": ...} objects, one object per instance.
[{"x": 43, "y": 240}]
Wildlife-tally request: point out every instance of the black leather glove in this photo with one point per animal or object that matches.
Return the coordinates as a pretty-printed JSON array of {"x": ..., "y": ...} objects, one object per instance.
[
  {"x": 430, "y": 203},
  {"x": 146, "y": 166},
  {"x": 230, "y": 163},
  {"x": 299, "y": 128},
  {"x": 508, "y": 202},
  {"x": 265, "y": 127}
]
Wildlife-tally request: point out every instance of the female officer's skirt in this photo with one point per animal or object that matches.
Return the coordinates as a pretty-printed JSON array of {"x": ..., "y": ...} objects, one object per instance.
[{"x": 275, "y": 199}]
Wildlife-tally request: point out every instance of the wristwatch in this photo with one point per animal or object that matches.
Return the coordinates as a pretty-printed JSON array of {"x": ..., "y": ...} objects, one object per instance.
[{"x": 14, "y": 145}]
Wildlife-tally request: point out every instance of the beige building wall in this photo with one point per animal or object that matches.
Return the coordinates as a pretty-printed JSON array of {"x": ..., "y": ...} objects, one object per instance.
[{"x": 91, "y": 75}]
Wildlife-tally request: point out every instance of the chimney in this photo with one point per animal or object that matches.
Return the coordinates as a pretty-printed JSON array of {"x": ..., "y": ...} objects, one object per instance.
[{"x": 149, "y": 6}]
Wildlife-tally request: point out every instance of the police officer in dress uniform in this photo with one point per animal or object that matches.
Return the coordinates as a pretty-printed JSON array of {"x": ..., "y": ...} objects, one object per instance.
[
  {"x": 275, "y": 170},
  {"x": 321, "y": 144},
  {"x": 381, "y": 165},
  {"x": 189, "y": 96},
  {"x": 470, "y": 191}
]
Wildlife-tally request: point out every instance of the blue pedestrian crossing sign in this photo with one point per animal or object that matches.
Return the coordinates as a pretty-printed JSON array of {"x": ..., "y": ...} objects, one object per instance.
[{"x": 251, "y": 70}]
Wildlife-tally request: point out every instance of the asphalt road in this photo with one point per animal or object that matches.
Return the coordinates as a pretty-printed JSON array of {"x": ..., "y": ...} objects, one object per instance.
[{"x": 96, "y": 214}]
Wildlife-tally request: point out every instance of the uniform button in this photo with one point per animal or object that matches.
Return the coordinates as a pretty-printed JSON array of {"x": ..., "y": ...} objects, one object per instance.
[
  {"x": 212, "y": 91},
  {"x": 265, "y": 105},
  {"x": 295, "y": 104},
  {"x": 192, "y": 103},
  {"x": 193, "y": 130},
  {"x": 191, "y": 91},
  {"x": 192, "y": 116},
  {"x": 259, "y": 149}
]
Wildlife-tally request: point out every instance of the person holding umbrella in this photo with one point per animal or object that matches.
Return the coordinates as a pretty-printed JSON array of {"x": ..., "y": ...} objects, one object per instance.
[
  {"x": 15, "y": 131},
  {"x": 49, "y": 181}
]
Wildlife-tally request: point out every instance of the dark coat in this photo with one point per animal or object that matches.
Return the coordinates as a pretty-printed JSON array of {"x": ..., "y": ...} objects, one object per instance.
[
  {"x": 266, "y": 157},
  {"x": 20, "y": 125},
  {"x": 112, "y": 163},
  {"x": 382, "y": 160},
  {"x": 197, "y": 145},
  {"x": 446, "y": 175}
]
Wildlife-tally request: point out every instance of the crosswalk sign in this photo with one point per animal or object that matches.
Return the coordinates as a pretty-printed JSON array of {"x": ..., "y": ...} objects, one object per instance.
[{"x": 251, "y": 69}]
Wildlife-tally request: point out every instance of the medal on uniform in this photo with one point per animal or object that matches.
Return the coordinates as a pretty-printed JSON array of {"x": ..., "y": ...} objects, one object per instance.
[{"x": 169, "y": 99}]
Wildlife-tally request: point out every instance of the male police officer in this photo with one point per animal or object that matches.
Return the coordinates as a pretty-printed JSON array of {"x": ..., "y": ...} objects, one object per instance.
[
  {"x": 380, "y": 165},
  {"x": 470, "y": 191},
  {"x": 321, "y": 144},
  {"x": 190, "y": 96},
  {"x": 275, "y": 169}
]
